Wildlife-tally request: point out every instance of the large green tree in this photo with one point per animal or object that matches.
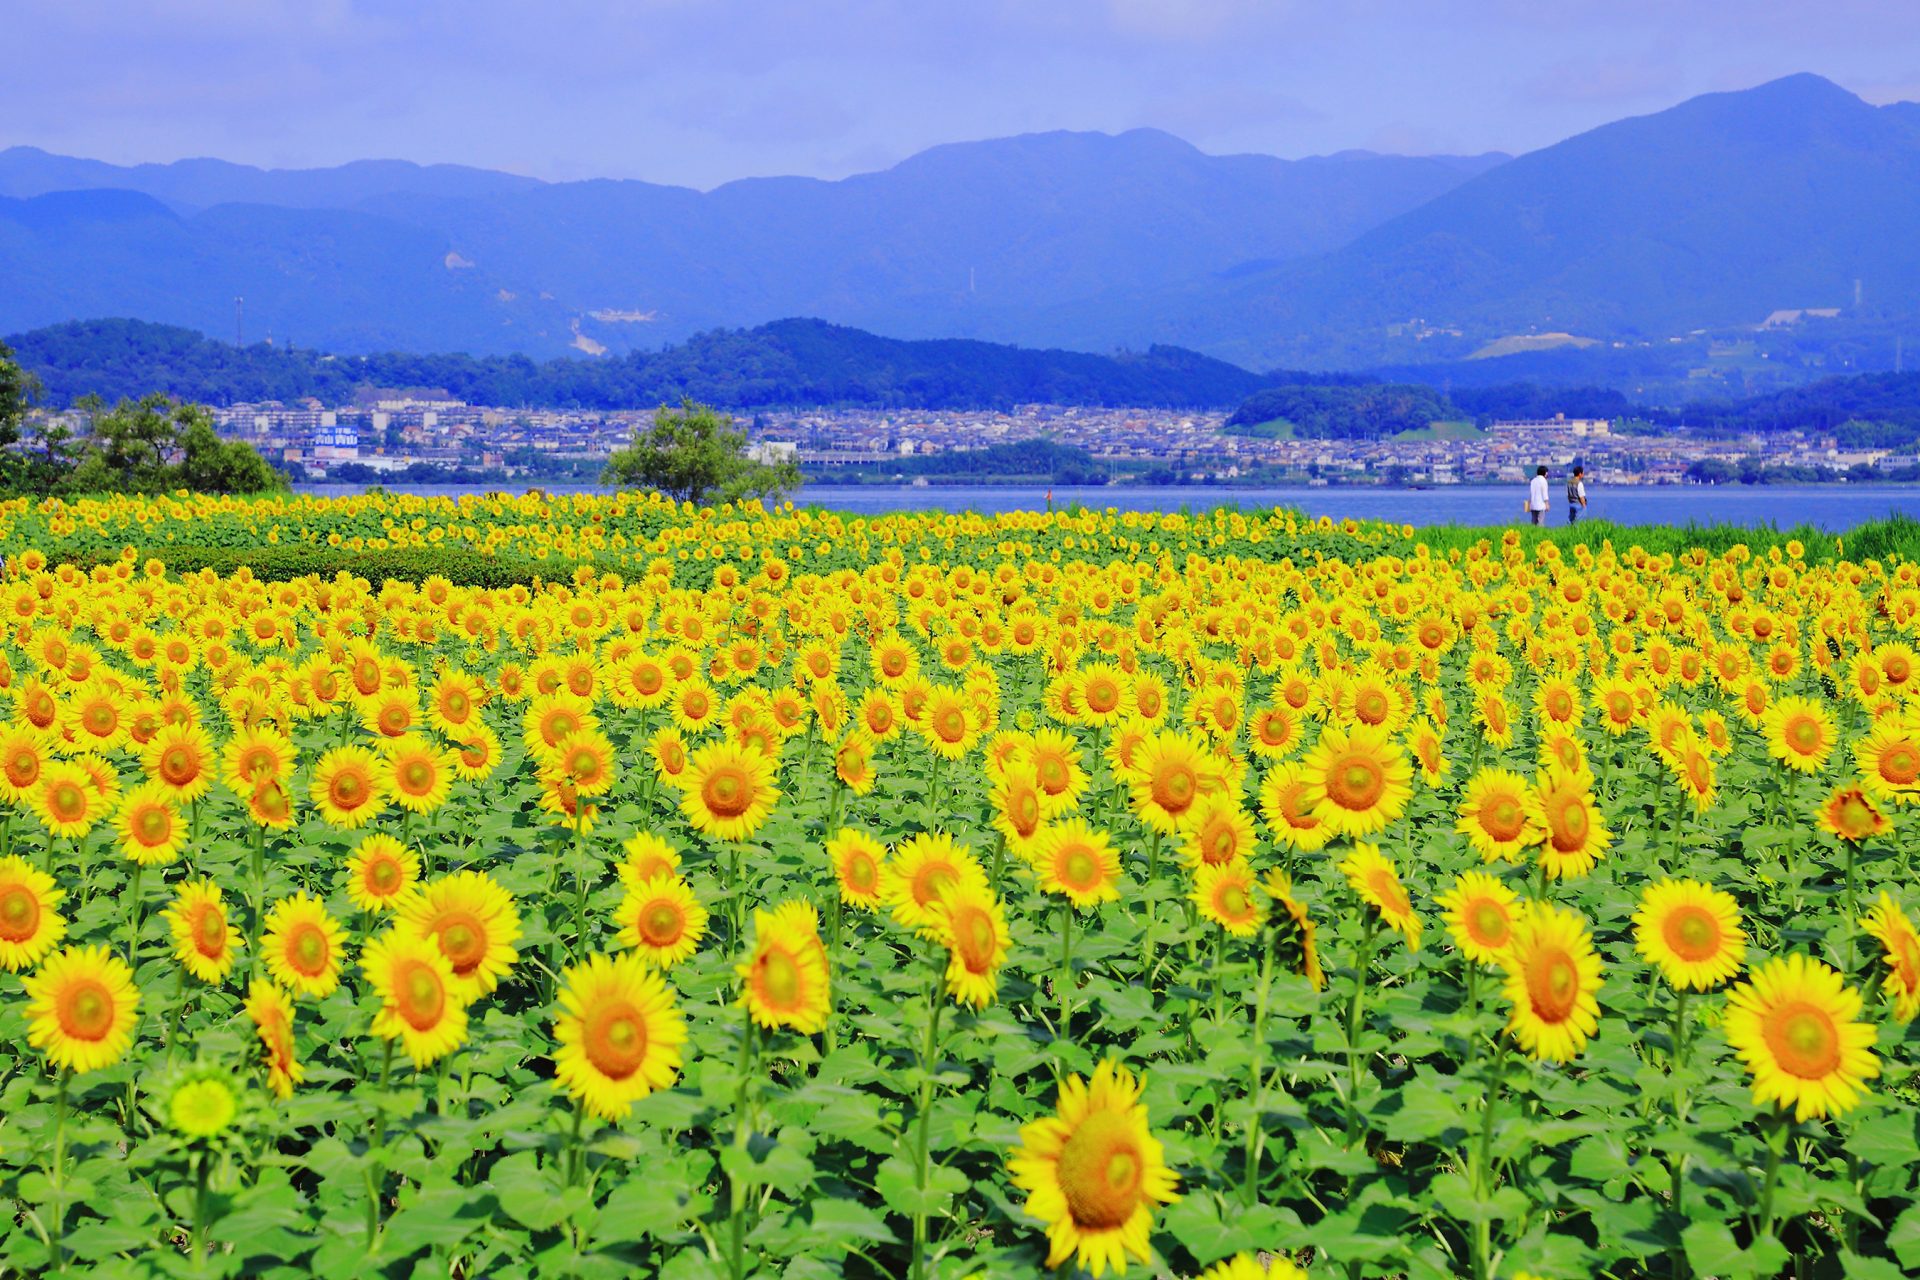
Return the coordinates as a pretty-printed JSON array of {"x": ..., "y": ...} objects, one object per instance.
[{"x": 694, "y": 453}]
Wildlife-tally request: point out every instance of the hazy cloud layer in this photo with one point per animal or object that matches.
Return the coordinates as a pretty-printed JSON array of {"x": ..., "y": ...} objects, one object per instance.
[{"x": 700, "y": 91}]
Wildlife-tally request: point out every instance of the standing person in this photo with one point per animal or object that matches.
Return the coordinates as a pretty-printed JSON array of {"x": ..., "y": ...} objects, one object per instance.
[
  {"x": 1576, "y": 494},
  {"x": 1537, "y": 497}
]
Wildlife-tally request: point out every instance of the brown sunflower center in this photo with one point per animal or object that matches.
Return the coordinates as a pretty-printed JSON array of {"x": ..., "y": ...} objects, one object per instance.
[
  {"x": 1503, "y": 817},
  {"x": 19, "y": 913},
  {"x": 728, "y": 792},
  {"x": 661, "y": 923},
  {"x": 86, "y": 1009},
  {"x": 614, "y": 1039},
  {"x": 420, "y": 996},
  {"x": 463, "y": 940},
  {"x": 1692, "y": 933},
  {"x": 1486, "y": 921},
  {"x": 307, "y": 950},
  {"x": 210, "y": 932},
  {"x": 1553, "y": 985},
  {"x": 1356, "y": 782}
]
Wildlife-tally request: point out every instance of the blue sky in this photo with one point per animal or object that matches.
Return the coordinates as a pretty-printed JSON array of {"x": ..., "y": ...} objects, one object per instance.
[{"x": 700, "y": 91}]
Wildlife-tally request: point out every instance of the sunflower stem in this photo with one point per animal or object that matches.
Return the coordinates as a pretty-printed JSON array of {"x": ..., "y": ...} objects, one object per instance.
[
  {"x": 1066, "y": 969},
  {"x": 374, "y": 1179},
  {"x": 57, "y": 1229},
  {"x": 1255, "y": 1130},
  {"x": 1153, "y": 873},
  {"x": 259, "y": 867},
  {"x": 737, "y": 1188},
  {"x": 924, "y": 1120},
  {"x": 1362, "y": 961},
  {"x": 1483, "y": 1162},
  {"x": 1776, "y": 1141},
  {"x": 133, "y": 919},
  {"x": 179, "y": 1008},
  {"x": 1848, "y": 924},
  {"x": 200, "y": 1209},
  {"x": 573, "y": 1142},
  {"x": 1677, "y": 1163}
]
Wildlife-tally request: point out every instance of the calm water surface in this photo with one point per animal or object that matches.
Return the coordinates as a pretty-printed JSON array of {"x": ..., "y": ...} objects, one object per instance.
[{"x": 1832, "y": 507}]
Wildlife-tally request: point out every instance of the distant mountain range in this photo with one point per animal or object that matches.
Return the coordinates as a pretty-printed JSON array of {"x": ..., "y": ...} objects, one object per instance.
[{"x": 1710, "y": 215}]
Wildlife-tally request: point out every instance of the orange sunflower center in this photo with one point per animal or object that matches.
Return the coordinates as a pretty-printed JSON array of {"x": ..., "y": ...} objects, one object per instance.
[
  {"x": 1692, "y": 933},
  {"x": 1174, "y": 787},
  {"x": 19, "y": 913},
  {"x": 1553, "y": 985},
  {"x": 661, "y": 923},
  {"x": 307, "y": 950},
  {"x": 1486, "y": 922},
  {"x": 1503, "y": 817},
  {"x": 85, "y": 1009},
  {"x": 420, "y": 997},
  {"x": 178, "y": 766},
  {"x": 933, "y": 880},
  {"x": 1102, "y": 696},
  {"x": 1101, "y": 1171},
  {"x": 384, "y": 876},
  {"x": 860, "y": 872},
  {"x": 152, "y": 825},
  {"x": 614, "y": 1039},
  {"x": 210, "y": 932},
  {"x": 1803, "y": 1039},
  {"x": 415, "y": 776},
  {"x": 1386, "y": 887},
  {"x": 349, "y": 789},
  {"x": 1356, "y": 782},
  {"x": 1372, "y": 707},
  {"x": 1569, "y": 823},
  {"x": 1803, "y": 735},
  {"x": 727, "y": 792},
  {"x": 950, "y": 724},
  {"x": 777, "y": 979},
  {"x": 1078, "y": 869},
  {"x": 1900, "y": 765},
  {"x": 1230, "y": 901},
  {"x": 1219, "y": 842},
  {"x": 463, "y": 940},
  {"x": 67, "y": 801},
  {"x": 973, "y": 938}
]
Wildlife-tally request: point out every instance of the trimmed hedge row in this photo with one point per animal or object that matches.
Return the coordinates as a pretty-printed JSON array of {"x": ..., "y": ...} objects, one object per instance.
[{"x": 461, "y": 567}]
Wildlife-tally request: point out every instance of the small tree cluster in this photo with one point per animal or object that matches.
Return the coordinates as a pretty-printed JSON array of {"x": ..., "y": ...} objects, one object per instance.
[{"x": 694, "y": 454}]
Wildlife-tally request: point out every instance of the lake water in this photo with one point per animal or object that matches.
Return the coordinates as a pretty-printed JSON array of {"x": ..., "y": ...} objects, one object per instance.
[{"x": 1836, "y": 508}]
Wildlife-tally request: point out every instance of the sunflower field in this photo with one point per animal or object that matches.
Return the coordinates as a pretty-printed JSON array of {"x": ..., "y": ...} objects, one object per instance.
[{"x": 777, "y": 893}]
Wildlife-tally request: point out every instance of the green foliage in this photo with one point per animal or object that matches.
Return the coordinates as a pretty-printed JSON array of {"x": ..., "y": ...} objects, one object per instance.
[
  {"x": 461, "y": 567},
  {"x": 694, "y": 454},
  {"x": 1342, "y": 412}
]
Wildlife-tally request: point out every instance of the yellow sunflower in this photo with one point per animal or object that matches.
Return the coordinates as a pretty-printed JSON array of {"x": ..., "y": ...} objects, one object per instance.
[
  {"x": 857, "y": 858},
  {"x": 1887, "y": 924},
  {"x": 1224, "y": 894},
  {"x": 272, "y": 1015},
  {"x": 1358, "y": 781},
  {"x": 972, "y": 925},
  {"x": 1373, "y": 877},
  {"x": 1691, "y": 931},
  {"x": 1079, "y": 863},
  {"x": 29, "y": 924},
  {"x": 1494, "y": 816},
  {"x": 205, "y": 941},
  {"x": 346, "y": 787},
  {"x": 728, "y": 791},
  {"x": 82, "y": 1008},
  {"x": 303, "y": 946},
  {"x": 661, "y": 921},
  {"x": 150, "y": 832},
  {"x": 620, "y": 1034},
  {"x": 1093, "y": 1172},
  {"x": 422, "y": 1005},
  {"x": 1552, "y": 982},
  {"x": 1574, "y": 836},
  {"x": 1480, "y": 912},
  {"x": 380, "y": 873},
  {"x": 1795, "y": 1024},
  {"x": 475, "y": 923},
  {"x": 919, "y": 871},
  {"x": 783, "y": 980},
  {"x": 1800, "y": 733}
]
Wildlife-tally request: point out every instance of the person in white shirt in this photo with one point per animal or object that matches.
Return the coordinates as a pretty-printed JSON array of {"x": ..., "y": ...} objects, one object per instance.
[{"x": 1537, "y": 497}]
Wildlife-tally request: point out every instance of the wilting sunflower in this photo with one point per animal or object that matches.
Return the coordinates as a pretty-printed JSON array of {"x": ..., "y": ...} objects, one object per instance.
[
  {"x": 662, "y": 921},
  {"x": 272, "y": 1015},
  {"x": 1373, "y": 877},
  {"x": 29, "y": 924},
  {"x": 421, "y": 1004},
  {"x": 1494, "y": 816},
  {"x": 1574, "y": 836},
  {"x": 1849, "y": 814},
  {"x": 1358, "y": 781},
  {"x": 972, "y": 925},
  {"x": 150, "y": 832},
  {"x": 1552, "y": 981},
  {"x": 473, "y": 920},
  {"x": 303, "y": 946},
  {"x": 620, "y": 1034},
  {"x": 783, "y": 980},
  {"x": 346, "y": 787},
  {"x": 1224, "y": 894},
  {"x": 1480, "y": 912},
  {"x": 1093, "y": 1172},
  {"x": 1795, "y": 1024},
  {"x": 857, "y": 858},
  {"x": 1691, "y": 931},
  {"x": 921, "y": 869},
  {"x": 380, "y": 873},
  {"x": 1887, "y": 924},
  {"x": 82, "y": 1010},
  {"x": 1294, "y": 930},
  {"x": 204, "y": 939},
  {"x": 1800, "y": 733},
  {"x": 1077, "y": 862},
  {"x": 728, "y": 791}
]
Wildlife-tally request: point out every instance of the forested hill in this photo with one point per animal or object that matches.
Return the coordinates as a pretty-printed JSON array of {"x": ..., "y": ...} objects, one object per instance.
[{"x": 789, "y": 362}]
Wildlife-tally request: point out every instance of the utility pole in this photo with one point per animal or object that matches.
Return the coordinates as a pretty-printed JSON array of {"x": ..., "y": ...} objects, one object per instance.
[{"x": 239, "y": 331}]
